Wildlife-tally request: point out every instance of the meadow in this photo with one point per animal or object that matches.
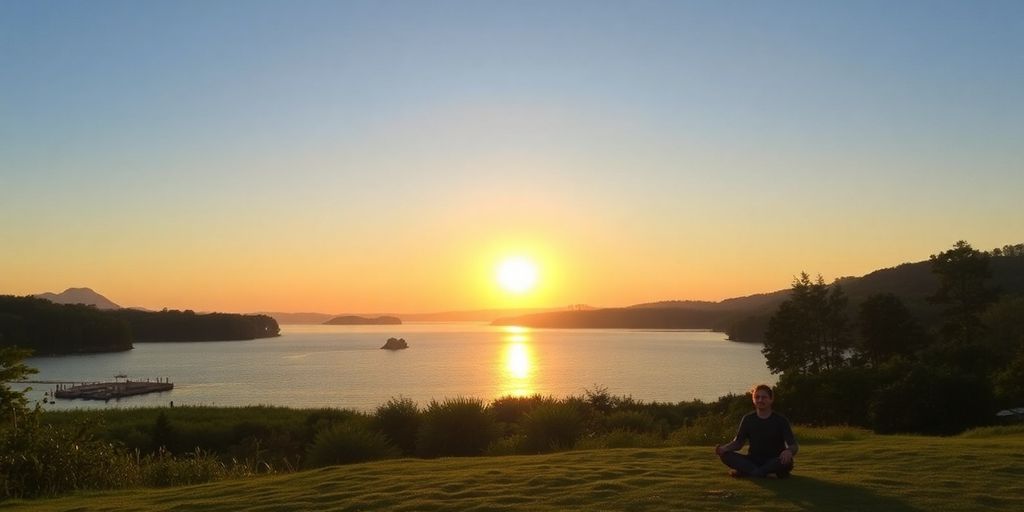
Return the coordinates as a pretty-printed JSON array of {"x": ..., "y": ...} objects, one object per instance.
[{"x": 838, "y": 469}]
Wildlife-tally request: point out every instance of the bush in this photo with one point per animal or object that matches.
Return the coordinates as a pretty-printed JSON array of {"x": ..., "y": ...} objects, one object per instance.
[
  {"x": 455, "y": 427},
  {"x": 836, "y": 397},
  {"x": 163, "y": 469},
  {"x": 512, "y": 409},
  {"x": 399, "y": 421},
  {"x": 706, "y": 430},
  {"x": 932, "y": 400},
  {"x": 1009, "y": 383},
  {"x": 827, "y": 435},
  {"x": 552, "y": 427},
  {"x": 347, "y": 444},
  {"x": 621, "y": 439},
  {"x": 633, "y": 421},
  {"x": 46, "y": 461},
  {"x": 510, "y": 445}
]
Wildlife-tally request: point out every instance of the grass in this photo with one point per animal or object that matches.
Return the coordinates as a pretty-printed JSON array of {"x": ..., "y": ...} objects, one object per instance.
[{"x": 838, "y": 470}]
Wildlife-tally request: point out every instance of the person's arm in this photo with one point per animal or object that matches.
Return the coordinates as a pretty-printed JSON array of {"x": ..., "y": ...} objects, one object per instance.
[
  {"x": 792, "y": 447},
  {"x": 736, "y": 443},
  {"x": 731, "y": 446}
]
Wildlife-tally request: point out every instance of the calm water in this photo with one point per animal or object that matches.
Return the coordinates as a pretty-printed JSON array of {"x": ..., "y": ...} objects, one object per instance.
[{"x": 343, "y": 366}]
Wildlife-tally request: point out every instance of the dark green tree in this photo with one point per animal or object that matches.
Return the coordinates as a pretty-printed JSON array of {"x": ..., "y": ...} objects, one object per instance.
[
  {"x": 810, "y": 331},
  {"x": 887, "y": 329},
  {"x": 1004, "y": 327},
  {"x": 1009, "y": 383},
  {"x": 931, "y": 398},
  {"x": 164, "y": 434},
  {"x": 13, "y": 404},
  {"x": 962, "y": 273}
]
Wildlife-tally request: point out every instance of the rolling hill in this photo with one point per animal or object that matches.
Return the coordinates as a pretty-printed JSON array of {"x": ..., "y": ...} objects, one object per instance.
[{"x": 745, "y": 318}]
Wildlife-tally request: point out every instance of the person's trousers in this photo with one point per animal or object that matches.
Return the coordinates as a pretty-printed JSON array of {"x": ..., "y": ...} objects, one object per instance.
[{"x": 755, "y": 466}]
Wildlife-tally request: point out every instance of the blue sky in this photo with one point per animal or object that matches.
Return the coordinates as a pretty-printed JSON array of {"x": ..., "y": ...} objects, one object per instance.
[{"x": 677, "y": 140}]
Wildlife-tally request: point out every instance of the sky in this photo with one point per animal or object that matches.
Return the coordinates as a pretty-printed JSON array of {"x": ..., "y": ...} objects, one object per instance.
[{"x": 386, "y": 156}]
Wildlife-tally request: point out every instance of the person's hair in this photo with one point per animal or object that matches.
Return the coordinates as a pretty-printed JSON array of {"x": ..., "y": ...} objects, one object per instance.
[{"x": 763, "y": 387}]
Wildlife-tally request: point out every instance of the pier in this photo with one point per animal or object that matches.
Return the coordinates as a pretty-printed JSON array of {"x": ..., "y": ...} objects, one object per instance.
[{"x": 108, "y": 390}]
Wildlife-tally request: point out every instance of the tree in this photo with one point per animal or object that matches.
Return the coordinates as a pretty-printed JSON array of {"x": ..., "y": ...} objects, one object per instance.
[
  {"x": 887, "y": 329},
  {"x": 809, "y": 333},
  {"x": 931, "y": 399},
  {"x": 962, "y": 273},
  {"x": 13, "y": 404}
]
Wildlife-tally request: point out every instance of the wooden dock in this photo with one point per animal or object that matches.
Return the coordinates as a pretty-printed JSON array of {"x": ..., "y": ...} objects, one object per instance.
[{"x": 108, "y": 390}]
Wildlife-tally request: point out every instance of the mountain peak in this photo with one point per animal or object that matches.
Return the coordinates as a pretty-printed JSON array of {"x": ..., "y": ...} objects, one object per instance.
[{"x": 79, "y": 296}]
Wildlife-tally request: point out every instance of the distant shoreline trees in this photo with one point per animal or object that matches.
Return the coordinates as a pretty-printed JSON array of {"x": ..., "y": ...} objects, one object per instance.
[{"x": 53, "y": 329}]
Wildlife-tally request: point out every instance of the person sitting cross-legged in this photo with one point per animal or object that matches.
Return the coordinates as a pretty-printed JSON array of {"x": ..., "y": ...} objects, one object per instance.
[{"x": 772, "y": 444}]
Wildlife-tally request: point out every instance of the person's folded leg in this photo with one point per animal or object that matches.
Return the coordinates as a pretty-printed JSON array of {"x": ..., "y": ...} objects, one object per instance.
[{"x": 739, "y": 462}]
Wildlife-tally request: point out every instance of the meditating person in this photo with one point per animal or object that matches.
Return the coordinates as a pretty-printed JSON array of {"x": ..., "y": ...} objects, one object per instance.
[{"x": 772, "y": 445}]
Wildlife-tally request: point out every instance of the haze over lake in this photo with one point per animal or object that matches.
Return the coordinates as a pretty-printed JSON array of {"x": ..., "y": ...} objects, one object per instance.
[{"x": 343, "y": 366}]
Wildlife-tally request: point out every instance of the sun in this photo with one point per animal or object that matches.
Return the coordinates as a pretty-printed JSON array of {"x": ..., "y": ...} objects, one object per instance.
[{"x": 517, "y": 274}]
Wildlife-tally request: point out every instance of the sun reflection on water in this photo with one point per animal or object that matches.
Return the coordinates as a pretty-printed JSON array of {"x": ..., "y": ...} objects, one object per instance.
[{"x": 518, "y": 363}]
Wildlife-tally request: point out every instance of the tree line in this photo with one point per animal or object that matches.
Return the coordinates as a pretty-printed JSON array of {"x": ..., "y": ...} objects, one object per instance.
[
  {"x": 174, "y": 325},
  {"x": 46, "y": 328},
  {"x": 887, "y": 370}
]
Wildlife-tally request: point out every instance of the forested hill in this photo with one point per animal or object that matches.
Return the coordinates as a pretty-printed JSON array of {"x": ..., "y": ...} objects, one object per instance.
[
  {"x": 51, "y": 329},
  {"x": 176, "y": 325},
  {"x": 746, "y": 318}
]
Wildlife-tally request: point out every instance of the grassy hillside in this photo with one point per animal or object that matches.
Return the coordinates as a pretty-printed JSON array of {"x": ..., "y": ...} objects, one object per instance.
[{"x": 838, "y": 469}]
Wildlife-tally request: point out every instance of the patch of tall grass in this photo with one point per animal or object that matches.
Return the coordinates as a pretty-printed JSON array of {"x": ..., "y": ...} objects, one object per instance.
[
  {"x": 457, "y": 427},
  {"x": 399, "y": 421},
  {"x": 348, "y": 443},
  {"x": 834, "y": 434},
  {"x": 551, "y": 426},
  {"x": 994, "y": 431}
]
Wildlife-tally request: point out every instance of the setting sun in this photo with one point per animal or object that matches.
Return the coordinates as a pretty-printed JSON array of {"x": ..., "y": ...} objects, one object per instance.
[{"x": 517, "y": 275}]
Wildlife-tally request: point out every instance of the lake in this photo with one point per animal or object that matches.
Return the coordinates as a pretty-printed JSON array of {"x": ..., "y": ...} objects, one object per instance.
[{"x": 343, "y": 366}]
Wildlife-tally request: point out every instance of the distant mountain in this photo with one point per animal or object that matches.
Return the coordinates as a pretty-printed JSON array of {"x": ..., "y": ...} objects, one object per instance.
[
  {"x": 79, "y": 296},
  {"x": 746, "y": 318}
]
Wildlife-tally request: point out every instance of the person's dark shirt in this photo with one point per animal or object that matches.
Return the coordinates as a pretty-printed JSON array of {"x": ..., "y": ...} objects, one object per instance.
[{"x": 768, "y": 436}]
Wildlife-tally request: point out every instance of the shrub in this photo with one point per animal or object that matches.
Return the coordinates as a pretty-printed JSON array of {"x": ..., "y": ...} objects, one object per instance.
[
  {"x": 826, "y": 435},
  {"x": 399, "y": 421},
  {"x": 996, "y": 431},
  {"x": 836, "y": 397},
  {"x": 455, "y": 427},
  {"x": 163, "y": 469},
  {"x": 163, "y": 434},
  {"x": 45, "y": 461},
  {"x": 634, "y": 421},
  {"x": 706, "y": 430},
  {"x": 347, "y": 444},
  {"x": 325, "y": 418},
  {"x": 932, "y": 400},
  {"x": 512, "y": 409},
  {"x": 552, "y": 427},
  {"x": 1009, "y": 382},
  {"x": 510, "y": 445},
  {"x": 621, "y": 439}
]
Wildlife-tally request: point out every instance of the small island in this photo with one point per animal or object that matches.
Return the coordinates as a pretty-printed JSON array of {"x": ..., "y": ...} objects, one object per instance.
[
  {"x": 395, "y": 344},
  {"x": 362, "y": 320}
]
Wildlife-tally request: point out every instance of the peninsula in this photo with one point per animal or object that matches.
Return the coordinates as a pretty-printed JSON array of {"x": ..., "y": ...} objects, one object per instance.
[{"x": 361, "y": 320}]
